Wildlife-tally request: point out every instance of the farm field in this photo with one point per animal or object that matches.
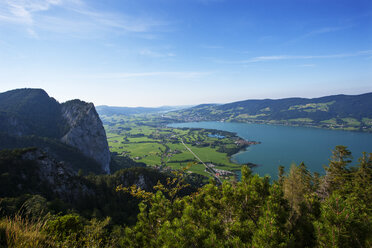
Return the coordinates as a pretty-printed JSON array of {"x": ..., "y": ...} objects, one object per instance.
[{"x": 145, "y": 138}]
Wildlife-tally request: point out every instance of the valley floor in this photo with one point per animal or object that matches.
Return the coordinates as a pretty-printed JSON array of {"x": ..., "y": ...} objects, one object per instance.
[{"x": 146, "y": 139}]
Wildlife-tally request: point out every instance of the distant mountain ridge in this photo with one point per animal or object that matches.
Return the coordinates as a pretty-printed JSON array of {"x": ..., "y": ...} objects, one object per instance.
[
  {"x": 31, "y": 112},
  {"x": 352, "y": 112},
  {"x": 113, "y": 110}
]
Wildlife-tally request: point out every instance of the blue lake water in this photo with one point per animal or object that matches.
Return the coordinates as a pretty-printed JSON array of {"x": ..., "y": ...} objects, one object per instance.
[{"x": 284, "y": 145}]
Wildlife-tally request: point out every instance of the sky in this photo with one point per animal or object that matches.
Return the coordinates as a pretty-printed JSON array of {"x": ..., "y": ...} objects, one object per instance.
[{"x": 186, "y": 52}]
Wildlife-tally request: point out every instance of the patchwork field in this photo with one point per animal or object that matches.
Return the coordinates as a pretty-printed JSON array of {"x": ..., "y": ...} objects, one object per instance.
[{"x": 147, "y": 139}]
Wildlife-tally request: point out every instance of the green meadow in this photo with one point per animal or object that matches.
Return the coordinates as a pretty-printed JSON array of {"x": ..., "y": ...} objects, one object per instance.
[{"x": 147, "y": 139}]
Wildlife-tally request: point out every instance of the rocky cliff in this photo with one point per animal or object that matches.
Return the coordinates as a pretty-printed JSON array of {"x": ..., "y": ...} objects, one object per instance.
[
  {"x": 86, "y": 131},
  {"x": 65, "y": 184},
  {"x": 32, "y": 113},
  {"x": 32, "y": 171},
  {"x": 26, "y": 174}
]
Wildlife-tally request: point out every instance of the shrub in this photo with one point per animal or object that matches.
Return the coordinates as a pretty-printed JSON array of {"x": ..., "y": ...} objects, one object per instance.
[{"x": 21, "y": 232}]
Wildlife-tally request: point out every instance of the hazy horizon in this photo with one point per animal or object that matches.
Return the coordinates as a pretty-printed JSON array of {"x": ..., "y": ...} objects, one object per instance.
[
  {"x": 170, "y": 53},
  {"x": 186, "y": 106},
  {"x": 221, "y": 103}
]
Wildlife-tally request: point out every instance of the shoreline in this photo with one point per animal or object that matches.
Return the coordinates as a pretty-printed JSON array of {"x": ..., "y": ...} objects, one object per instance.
[
  {"x": 244, "y": 148},
  {"x": 260, "y": 122},
  {"x": 246, "y": 144}
]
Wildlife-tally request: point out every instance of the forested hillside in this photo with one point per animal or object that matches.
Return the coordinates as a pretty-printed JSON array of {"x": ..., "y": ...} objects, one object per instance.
[
  {"x": 30, "y": 173},
  {"x": 339, "y": 111},
  {"x": 301, "y": 209}
]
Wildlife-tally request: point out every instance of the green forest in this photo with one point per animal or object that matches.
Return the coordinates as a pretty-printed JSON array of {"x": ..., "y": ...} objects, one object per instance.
[
  {"x": 340, "y": 112},
  {"x": 300, "y": 209}
]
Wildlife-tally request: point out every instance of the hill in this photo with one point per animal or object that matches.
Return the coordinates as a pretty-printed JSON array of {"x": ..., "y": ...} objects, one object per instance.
[
  {"x": 29, "y": 117},
  {"x": 31, "y": 173},
  {"x": 30, "y": 112},
  {"x": 351, "y": 112}
]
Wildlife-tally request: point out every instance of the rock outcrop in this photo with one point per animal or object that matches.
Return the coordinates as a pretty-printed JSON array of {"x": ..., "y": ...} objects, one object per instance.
[
  {"x": 12, "y": 125},
  {"x": 61, "y": 181},
  {"x": 86, "y": 131},
  {"x": 32, "y": 171},
  {"x": 27, "y": 113}
]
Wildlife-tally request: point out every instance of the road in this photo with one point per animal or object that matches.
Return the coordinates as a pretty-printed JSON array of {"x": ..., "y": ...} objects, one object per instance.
[{"x": 208, "y": 169}]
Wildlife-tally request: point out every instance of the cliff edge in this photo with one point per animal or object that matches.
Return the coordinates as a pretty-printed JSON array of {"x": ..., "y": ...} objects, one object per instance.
[
  {"x": 33, "y": 118},
  {"x": 86, "y": 131}
]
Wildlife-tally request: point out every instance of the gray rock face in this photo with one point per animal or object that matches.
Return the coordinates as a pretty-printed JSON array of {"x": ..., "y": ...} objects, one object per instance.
[
  {"x": 13, "y": 126},
  {"x": 62, "y": 181},
  {"x": 86, "y": 132}
]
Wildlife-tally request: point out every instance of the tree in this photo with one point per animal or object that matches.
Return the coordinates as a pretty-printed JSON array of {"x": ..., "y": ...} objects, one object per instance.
[
  {"x": 296, "y": 185},
  {"x": 299, "y": 187},
  {"x": 344, "y": 222},
  {"x": 224, "y": 215},
  {"x": 302, "y": 227},
  {"x": 271, "y": 230},
  {"x": 281, "y": 174},
  {"x": 362, "y": 180},
  {"x": 338, "y": 174}
]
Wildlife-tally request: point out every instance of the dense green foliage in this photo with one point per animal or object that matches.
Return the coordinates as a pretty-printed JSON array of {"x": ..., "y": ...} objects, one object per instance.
[
  {"x": 90, "y": 196},
  {"x": 301, "y": 209},
  {"x": 339, "y": 111},
  {"x": 255, "y": 213}
]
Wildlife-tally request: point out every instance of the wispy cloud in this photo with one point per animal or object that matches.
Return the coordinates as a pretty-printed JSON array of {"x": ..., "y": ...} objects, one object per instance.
[
  {"x": 154, "y": 54},
  {"x": 326, "y": 30},
  {"x": 296, "y": 57},
  {"x": 32, "y": 33},
  {"x": 73, "y": 16},
  {"x": 23, "y": 11},
  {"x": 173, "y": 74},
  {"x": 365, "y": 52},
  {"x": 289, "y": 57},
  {"x": 319, "y": 31},
  {"x": 127, "y": 23}
]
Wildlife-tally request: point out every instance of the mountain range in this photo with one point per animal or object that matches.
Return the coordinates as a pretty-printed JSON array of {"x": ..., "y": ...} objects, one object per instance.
[
  {"x": 353, "y": 112},
  {"x": 111, "y": 110}
]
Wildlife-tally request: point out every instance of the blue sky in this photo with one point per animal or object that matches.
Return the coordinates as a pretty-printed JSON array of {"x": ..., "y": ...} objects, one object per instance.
[{"x": 184, "y": 52}]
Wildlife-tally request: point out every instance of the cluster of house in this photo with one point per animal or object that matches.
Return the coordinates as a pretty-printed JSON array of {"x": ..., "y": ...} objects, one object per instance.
[
  {"x": 171, "y": 153},
  {"x": 246, "y": 142},
  {"x": 219, "y": 172}
]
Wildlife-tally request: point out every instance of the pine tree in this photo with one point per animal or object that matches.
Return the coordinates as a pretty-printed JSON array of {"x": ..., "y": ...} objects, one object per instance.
[
  {"x": 281, "y": 174},
  {"x": 297, "y": 185},
  {"x": 344, "y": 222},
  {"x": 271, "y": 230},
  {"x": 362, "y": 179},
  {"x": 338, "y": 174}
]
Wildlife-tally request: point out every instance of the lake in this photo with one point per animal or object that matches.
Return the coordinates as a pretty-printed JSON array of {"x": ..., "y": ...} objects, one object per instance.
[{"x": 284, "y": 145}]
